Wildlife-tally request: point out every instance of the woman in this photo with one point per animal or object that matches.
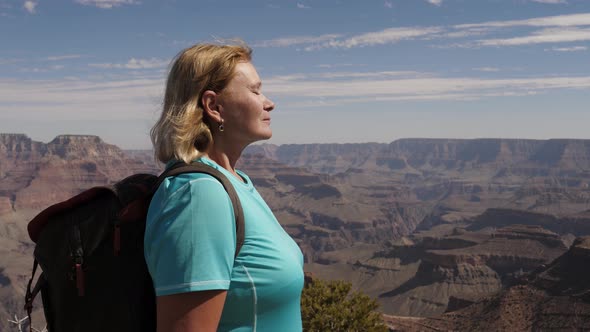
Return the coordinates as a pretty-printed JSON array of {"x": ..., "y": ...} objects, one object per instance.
[{"x": 213, "y": 109}]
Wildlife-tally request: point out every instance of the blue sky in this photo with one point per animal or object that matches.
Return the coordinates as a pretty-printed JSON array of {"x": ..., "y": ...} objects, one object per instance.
[{"x": 339, "y": 71}]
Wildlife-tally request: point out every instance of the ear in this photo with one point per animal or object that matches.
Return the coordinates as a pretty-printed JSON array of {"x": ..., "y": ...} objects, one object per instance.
[{"x": 210, "y": 103}]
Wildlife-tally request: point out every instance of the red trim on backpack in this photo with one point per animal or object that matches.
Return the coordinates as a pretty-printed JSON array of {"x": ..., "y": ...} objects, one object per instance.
[
  {"x": 80, "y": 279},
  {"x": 135, "y": 210},
  {"x": 36, "y": 225}
]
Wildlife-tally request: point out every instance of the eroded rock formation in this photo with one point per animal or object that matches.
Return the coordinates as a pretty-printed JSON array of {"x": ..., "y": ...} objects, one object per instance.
[
  {"x": 424, "y": 225},
  {"x": 554, "y": 297},
  {"x": 34, "y": 175}
]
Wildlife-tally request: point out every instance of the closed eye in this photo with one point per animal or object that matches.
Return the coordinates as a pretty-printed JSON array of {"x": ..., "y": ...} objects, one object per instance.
[{"x": 256, "y": 87}]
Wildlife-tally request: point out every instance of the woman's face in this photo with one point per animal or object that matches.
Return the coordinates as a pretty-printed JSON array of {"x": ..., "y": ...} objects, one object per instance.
[{"x": 243, "y": 107}]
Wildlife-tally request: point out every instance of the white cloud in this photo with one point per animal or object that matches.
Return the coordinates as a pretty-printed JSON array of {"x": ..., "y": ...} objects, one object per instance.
[
  {"x": 302, "y": 6},
  {"x": 381, "y": 74},
  {"x": 77, "y": 92},
  {"x": 334, "y": 65},
  {"x": 487, "y": 69},
  {"x": 65, "y": 97},
  {"x": 554, "y": 29},
  {"x": 348, "y": 75},
  {"x": 375, "y": 86},
  {"x": 41, "y": 70},
  {"x": 466, "y": 32},
  {"x": 134, "y": 63},
  {"x": 33, "y": 70},
  {"x": 122, "y": 111},
  {"x": 435, "y": 2},
  {"x": 387, "y": 36},
  {"x": 553, "y": 2},
  {"x": 297, "y": 40},
  {"x": 118, "y": 111},
  {"x": 550, "y": 35},
  {"x": 388, "y": 4},
  {"x": 63, "y": 57},
  {"x": 107, "y": 4},
  {"x": 548, "y": 21},
  {"x": 569, "y": 49},
  {"x": 30, "y": 6}
]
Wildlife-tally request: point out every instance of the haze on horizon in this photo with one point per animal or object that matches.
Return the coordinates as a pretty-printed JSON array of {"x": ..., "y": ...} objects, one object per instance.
[{"x": 371, "y": 71}]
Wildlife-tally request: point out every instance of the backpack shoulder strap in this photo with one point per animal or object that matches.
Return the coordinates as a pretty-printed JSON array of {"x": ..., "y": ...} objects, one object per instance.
[{"x": 181, "y": 168}]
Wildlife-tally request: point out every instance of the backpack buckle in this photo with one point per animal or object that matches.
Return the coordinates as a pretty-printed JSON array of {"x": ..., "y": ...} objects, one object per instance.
[{"x": 28, "y": 301}]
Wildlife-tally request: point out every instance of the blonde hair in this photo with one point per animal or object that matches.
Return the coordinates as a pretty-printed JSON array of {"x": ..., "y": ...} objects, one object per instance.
[{"x": 183, "y": 131}]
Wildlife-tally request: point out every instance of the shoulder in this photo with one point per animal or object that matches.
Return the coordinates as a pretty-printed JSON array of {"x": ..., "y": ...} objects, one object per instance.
[
  {"x": 182, "y": 199},
  {"x": 178, "y": 189}
]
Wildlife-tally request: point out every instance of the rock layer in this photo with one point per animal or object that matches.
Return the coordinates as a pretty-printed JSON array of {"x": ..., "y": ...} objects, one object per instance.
[
  {"x": 554, "y": 297},
  {"x": 354, "y": 208},
  {"x": 35, "y": 175}
]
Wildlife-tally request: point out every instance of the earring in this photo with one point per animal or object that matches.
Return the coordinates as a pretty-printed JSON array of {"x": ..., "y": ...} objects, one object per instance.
[{"x": 221, "y": 126}]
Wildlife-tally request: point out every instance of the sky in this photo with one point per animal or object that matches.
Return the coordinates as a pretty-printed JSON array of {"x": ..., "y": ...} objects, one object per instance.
[{"x": 338, "y": 71}]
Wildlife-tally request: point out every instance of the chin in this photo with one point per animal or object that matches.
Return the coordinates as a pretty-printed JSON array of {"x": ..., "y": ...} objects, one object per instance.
[
  {"x": 266, "y": 134},
  {"x": 261, "y": 137}
]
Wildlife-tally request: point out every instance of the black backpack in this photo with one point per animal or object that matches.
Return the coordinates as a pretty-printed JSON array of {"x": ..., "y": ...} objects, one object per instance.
[{"x": 90, "y": 249}]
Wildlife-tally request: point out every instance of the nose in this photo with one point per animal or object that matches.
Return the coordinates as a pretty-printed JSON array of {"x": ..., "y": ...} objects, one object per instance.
[{"x": 268, "y": 104}]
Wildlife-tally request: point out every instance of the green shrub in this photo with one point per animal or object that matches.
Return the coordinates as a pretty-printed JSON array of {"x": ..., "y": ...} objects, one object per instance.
[{"x": 330, "y": 306}]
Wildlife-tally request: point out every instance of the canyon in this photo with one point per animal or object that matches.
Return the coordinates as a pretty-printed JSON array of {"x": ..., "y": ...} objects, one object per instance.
[{"x": 425, "y": 226}]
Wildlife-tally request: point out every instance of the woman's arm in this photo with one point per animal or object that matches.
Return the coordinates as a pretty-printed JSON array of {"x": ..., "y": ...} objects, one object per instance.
[
  {"x": 190, "y": 312},
  {"x": 190, "y": 244}
]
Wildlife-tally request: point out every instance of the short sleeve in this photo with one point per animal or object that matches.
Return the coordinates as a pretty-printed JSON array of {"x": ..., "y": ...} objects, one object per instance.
[{"x": 190, "y": 237}]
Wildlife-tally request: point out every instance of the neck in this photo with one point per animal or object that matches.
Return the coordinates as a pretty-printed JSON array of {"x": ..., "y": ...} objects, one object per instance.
[{"x": 225, "y": 156}]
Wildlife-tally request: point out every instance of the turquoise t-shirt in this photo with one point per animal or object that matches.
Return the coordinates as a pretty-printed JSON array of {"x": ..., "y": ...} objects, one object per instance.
[{"x": 190, "y": 242}]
